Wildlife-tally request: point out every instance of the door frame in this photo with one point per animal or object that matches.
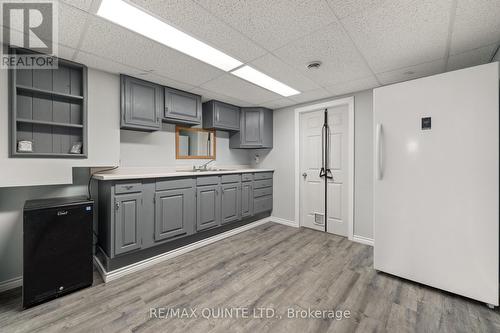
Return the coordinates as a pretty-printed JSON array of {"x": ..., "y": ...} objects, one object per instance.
[{"x": 349, "y": 101}]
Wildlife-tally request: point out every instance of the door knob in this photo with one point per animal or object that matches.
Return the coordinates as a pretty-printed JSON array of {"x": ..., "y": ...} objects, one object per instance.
[{"x": 304, "y": 174}]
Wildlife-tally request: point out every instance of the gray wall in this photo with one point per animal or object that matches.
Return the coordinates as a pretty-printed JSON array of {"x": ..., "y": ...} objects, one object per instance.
[{"x": 282, "y": 158}]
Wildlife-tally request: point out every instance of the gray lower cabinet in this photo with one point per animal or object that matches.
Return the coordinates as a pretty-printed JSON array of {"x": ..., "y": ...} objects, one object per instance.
[
  {"x": 174, "y": 213},
  {"x": 208, "y": 204},
  {"x": 182, "y": 107},
  {"x": 128, "y": 222},
  {"x": 256, "y": 129},
  {"x": 141, "y": 104},
  {"x": 263, "y": 204},
  {"x": 262, "y": 192},
  {"x": 246, "y": 199},
  {"x": 231, "y": 202},
  {"x": 221, "y": 116},
  {"x": 137, "y": 214}
]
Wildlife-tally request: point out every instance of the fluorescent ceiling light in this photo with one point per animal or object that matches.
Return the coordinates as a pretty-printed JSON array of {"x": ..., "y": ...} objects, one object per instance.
[
  {"x": 250, "y": 74},
  {"x": 133, "y": 18}
]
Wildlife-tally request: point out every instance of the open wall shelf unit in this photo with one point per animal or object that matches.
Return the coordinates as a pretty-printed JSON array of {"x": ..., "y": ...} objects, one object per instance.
[{"x": 49, "y": 108}]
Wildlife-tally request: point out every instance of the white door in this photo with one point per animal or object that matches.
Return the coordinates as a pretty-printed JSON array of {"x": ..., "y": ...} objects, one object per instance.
[
  {"x": 338, "y": 194},
  {"x": 312, "y": 187}
]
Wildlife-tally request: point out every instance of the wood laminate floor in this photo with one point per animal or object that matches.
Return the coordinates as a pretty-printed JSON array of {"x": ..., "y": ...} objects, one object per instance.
[{"x": 271, "y": 266}]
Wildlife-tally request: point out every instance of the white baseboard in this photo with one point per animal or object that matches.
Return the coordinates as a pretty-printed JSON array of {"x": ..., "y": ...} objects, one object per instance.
[
  {"x": 11, "y": 283},
  {"x": 279, "y": 220},
  {"x": 362, "y": 240},
  {"x": 117, "y": 273}
]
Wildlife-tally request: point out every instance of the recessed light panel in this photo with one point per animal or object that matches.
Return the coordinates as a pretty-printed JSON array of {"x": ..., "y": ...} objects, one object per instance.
[
  {"x": 135, "y": 19},
  {"x": 252, "y": 75}
]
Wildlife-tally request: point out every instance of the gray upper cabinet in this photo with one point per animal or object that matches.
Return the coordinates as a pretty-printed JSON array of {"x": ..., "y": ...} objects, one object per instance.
[
  {"x": 182, "y": 107},
  {"x": 246, "y": 199},
  {"x": 128, "y": 222},
  {"x": 208, "y": 204},
  {"x": 141, "y": 104},
  {"x": 174, "y": 214},
  {"x": 256, "y": 129},
  {"x": 221, "y": 116},
  {"x": 231, "y": 202}
]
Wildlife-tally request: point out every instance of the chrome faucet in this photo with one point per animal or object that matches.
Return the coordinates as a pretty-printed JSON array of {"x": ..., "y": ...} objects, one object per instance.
[{"x": 203, "y": 166}]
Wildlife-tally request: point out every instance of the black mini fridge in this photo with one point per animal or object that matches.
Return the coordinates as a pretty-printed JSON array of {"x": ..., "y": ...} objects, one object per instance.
[{"x": 57, "y": 245}]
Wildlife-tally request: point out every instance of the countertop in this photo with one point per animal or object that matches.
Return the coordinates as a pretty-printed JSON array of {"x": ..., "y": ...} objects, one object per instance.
[{"x": 141, "y": 173}]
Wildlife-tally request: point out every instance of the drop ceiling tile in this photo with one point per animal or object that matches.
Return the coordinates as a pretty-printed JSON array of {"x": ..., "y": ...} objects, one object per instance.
[
  {"x": 113, "y": 42},
  {"x": 477, "y": 23},
  {"x": 401, "y": 33},
  {"x": 344, "y": 8},
  {"x": 191, "y": 18},
  {"x": 277, "y": 69},
  {"x": 110, "y": 66},
  {"x": 272, "y": 23},
  {"x": 165, "y": 81},
  {"x": 311, "y": 95},
  {"x": 353, "y": 86},
  {"x": 412, "y": 72},
  {"x": 80, "y": 4},
  {"x": 106, "y": 65},
  {"x": 278, "y": 104},
  {"x": 235, "y": 87},
  {"x": 207, "y": 95},
  {"x": 71, "y": 23},
  {"x": 341, "y": 61},
  {"x": 471, "y": 58},
  {"x": 65, "y": 52}
]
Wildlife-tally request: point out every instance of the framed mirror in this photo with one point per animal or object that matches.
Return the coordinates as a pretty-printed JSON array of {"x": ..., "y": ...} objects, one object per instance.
[{"x": 194, "y": 143}]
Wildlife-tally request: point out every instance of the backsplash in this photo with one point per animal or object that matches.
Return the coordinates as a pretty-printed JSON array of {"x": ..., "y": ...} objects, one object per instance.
[{"x": 157, "y": 149}]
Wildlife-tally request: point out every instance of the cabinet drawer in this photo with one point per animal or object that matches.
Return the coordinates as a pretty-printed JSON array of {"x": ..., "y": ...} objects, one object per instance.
[
  {"x": 230, "y": 178},
  {"x": 245, "y": 177},
  {"x": 263, "y": 175},
  {"x": 207, "y": 180},
  {"x": 172, "y": 184},
  {"x": 262, "y": 183},
  {"x": 260, "y": 192},
  {"x": 263, "y": 204},
  {"x": 128, "y": 187}
]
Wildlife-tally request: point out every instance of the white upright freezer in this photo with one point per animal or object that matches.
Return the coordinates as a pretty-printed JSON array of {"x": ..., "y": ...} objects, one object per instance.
[{"x": 436, "y": 187}]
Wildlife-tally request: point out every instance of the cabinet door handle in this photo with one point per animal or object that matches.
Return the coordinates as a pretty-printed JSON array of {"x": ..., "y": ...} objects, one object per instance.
[
  {"x": 128, "y": 187},
  {"x": 217, "y": 115},
  {"x": 117, "y": 205}
]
